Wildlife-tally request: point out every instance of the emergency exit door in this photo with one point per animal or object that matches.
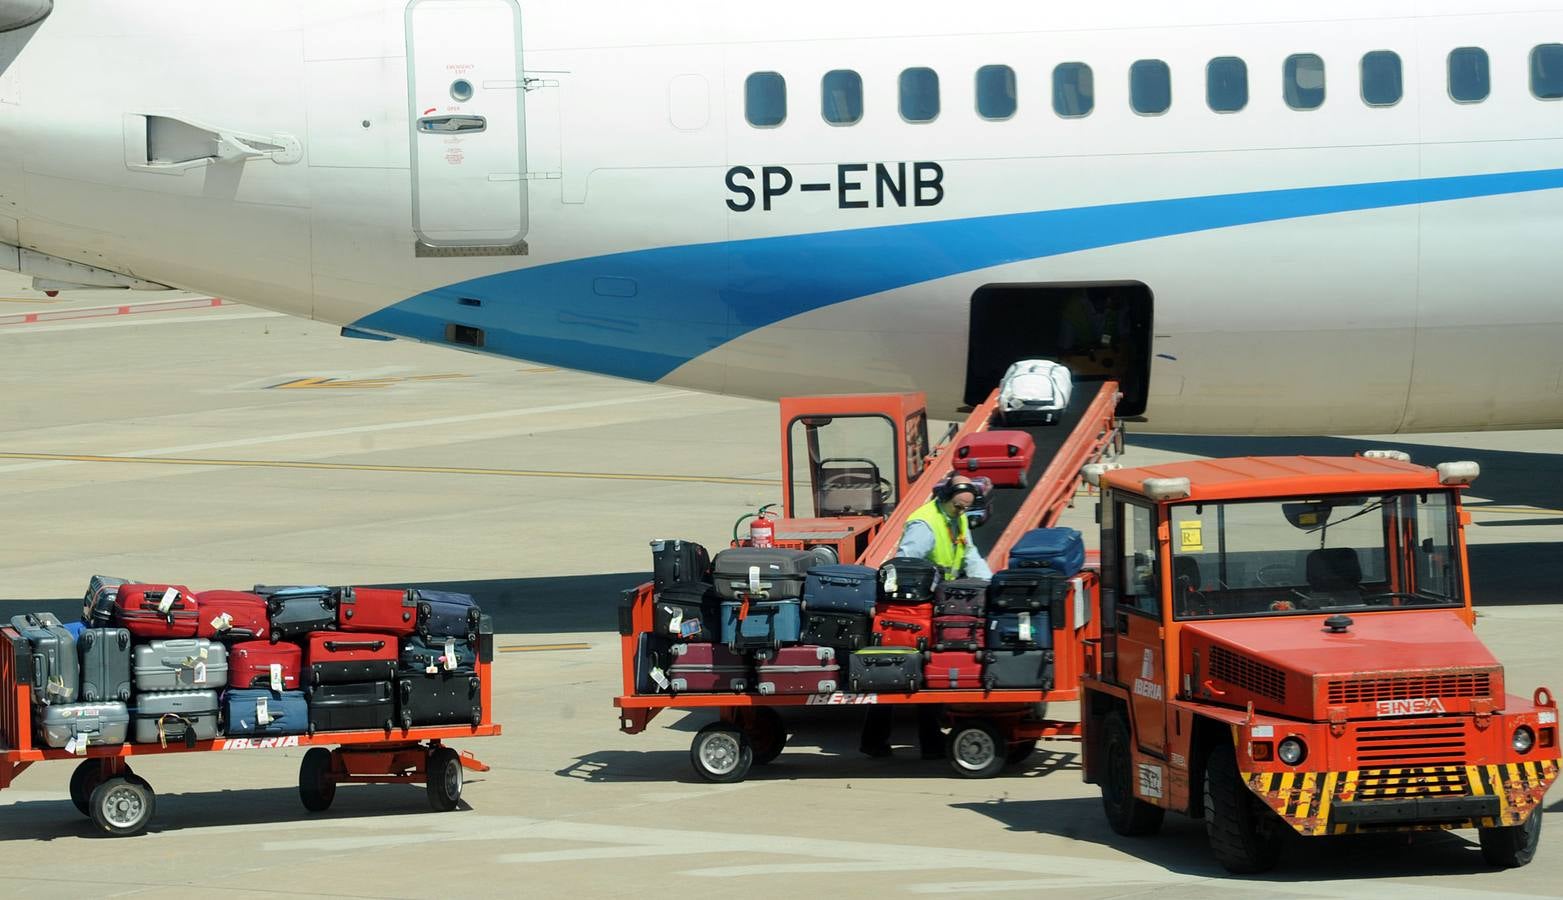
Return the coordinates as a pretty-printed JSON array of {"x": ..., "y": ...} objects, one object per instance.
[{"x": 466, "y": 92}]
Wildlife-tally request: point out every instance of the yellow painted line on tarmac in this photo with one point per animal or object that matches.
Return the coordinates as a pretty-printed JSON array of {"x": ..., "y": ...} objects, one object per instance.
[
  {"x": 539, "y": 648},
  {"x": 28, "y": 300},
  {"x": 339, "y": 383},
  {"x": 1514, "y": 510},
  {"x": 412, "y": 470}
]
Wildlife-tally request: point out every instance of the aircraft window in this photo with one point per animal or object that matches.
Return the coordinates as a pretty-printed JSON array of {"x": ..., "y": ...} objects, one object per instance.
[
  {"x": 1470, "y": 81},
  {"x": 1546, "y": 72},
  {"x": 1302, "y": 81},
  {"x": 919, "y": 94},
  {"x": 1150, "y": 87},
  {"x": 1381, "y": 78},
  {"x": 1074, "y": 92},
  {"x": 1226, "y": 84},
  {"x": 995, "y": 92},
  {"x": 765, "y": 99},
  {"x": 841, "y": 97}
]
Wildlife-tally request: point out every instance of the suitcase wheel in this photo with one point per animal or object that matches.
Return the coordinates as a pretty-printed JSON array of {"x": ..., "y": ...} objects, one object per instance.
[
  {"x": 855, "y": 686},
  {"x": 922, "y": 644}
]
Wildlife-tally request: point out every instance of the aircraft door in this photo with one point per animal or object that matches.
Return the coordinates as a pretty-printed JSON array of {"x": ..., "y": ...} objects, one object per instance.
[{"x": 466, "y": 93}]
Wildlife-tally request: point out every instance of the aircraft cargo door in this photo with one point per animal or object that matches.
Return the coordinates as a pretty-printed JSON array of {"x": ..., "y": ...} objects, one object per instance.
[{"x": 465, "y": 89}]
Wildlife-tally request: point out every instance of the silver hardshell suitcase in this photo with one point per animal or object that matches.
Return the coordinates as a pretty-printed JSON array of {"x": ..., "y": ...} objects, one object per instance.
[
  {"x": 80, "y": 725},
  {"x": 181, "y": 665},
  {"x": 56, "y": 670},
  {"x": 176, "y": 717}
]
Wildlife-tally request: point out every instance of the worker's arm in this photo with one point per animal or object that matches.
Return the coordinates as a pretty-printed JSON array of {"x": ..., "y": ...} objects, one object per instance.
[
  {"x": 976, "y": 566},
  {"x": 916, "y": 541}
]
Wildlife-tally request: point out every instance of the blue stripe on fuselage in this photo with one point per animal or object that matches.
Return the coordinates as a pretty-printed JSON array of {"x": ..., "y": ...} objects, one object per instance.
[{"x": 691, "y": 299}]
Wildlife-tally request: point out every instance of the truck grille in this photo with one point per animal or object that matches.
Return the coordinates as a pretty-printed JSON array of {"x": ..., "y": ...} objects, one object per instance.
[
  {"x": 1421, "y": 781},
  {"x": 1249, "y": 674},
  {"x": 1374, "y": 690},
  {"x": 1411, "y": 743}
]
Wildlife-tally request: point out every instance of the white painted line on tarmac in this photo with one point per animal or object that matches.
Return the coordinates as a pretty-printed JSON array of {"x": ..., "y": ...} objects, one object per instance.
[{"x": 134, "y": 322}]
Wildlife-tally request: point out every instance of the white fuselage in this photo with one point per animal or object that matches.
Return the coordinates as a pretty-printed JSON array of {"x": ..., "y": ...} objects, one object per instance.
[{"x": 1350, "y": 268}]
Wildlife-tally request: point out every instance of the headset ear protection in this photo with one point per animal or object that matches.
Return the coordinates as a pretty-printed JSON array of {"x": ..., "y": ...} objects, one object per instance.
[{"x": 949, "y": 487}]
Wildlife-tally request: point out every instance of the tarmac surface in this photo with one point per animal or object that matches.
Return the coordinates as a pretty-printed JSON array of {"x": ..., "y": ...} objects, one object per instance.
[{"x": 219, "y": 446}]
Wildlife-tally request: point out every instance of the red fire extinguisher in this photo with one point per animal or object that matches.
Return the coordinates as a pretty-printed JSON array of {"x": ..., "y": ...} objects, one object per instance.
[{"x": 762, "y": 527}]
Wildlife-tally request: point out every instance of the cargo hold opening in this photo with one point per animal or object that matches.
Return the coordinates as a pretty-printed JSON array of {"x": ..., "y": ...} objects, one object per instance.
[{"x": 1099, "y": 330}]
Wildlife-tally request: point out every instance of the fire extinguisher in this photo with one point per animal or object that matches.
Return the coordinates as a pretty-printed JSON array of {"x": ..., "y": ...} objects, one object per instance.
[{"x": 762, "y": 527}]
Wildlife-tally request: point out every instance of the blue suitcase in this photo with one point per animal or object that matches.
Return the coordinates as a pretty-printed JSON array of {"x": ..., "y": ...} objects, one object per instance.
[
  {"x": 286, "y": 712},
  {"x": 444, "y": 614},
  {"x": 768, "y": 624},
  {"x": 1020, "y": 631},
  {"x": 841, "y": 588},
  {"x": 1060, "y": 550}
]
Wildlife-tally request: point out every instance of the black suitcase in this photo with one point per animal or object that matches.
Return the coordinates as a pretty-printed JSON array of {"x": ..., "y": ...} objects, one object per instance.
[
  {"x": 687, "y": 612},
  {"x": 1031, "y": 669},
  {"x": 1013, "y": 590},
  {"x": 674, "y": 561},
  {"x": 907, "y": 579},
  {"x": 97, "y": 606},
  {"x": 447, "y": 614},
  {"x": 653, "y": 659},
  {"x": 846, "y": 631},
  {"x": 778, "y": 574},
  {"x": 892, "y": 669},
  {"x": 961, "y": 597},
  {"x": 362, "y": 706},
  {"x": 298, "y": 610},
  {"x": 454, "y": 697}
]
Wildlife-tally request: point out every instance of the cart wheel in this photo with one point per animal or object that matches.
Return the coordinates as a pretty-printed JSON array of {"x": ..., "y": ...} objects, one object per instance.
[
  {"x": 122, "y": 806},
  {"x": 88, "y": 775},
  {"x": 315, "y": 785},
  {"x": 444, "y": 779},
  {"x": 1019, "y": 753},
  {"x": 721, "y": 753},
  {"x": 766, "y": 733},
  {"x": 975, "y": 749}
]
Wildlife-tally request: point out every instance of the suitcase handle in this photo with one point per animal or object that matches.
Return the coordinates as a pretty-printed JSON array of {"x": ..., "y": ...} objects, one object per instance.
[
  {"x": 900, "y": 626},
  {"x": 353, "y": 645},
  {"x": 879, "y": 660},
  {"x": 162, "y": 733}
]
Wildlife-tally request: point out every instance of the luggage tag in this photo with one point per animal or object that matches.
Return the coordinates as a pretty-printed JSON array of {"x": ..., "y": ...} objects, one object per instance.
[
  {"x": 658, "y": 677},
  {"x": 167, "y": 603},
  {"x": 223, "y": 622},
  {"x": 676, "y": 624},
  {"x": 262, "y": 712},
  {"x": 77, "y": 745},
  {"x": 754, "y": 581},
  {"x": 276, "y": 677},
  {"x": 1025, "y": 626},
  {"x": 689, "y": 629},
  {"x": 892, "y": 584},
  {"x": 450, "y": 653}
]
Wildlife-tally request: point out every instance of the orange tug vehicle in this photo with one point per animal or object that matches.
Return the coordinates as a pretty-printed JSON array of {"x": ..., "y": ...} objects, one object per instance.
[{"x": 1288, "y": 643}]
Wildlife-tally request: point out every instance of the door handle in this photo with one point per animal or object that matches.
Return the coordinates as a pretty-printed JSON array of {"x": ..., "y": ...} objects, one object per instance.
[{"x": 452, "y": 124}]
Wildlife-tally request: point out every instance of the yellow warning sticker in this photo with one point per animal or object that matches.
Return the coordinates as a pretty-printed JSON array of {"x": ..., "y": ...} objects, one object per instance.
[{"x": 1191, "y": 536}]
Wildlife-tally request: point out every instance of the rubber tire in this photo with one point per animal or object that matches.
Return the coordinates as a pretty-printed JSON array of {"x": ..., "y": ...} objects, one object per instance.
[
  {"x": 969, "y": 739},
  {"x": 1127, "y": 814},
  {"x": 767, "y": 735},
  {"x": 1511, "y": 846},
  {"x": 725, "y": 741},
  {"x": 88, "y": 775},
  {"x": 1245, "y": 835},
  {"x": 122, "y": 789},
  {"x": 444, "y": 779},
  {"x": 315, "y": 787},
  {"x": 1019, "y": 753}
]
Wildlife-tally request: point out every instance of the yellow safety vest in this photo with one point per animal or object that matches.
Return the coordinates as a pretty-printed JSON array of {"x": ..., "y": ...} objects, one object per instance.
[{"x": 949, "y": 543}]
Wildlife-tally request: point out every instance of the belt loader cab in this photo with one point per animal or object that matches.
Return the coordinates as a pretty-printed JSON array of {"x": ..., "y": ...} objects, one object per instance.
[{"x": 1287, "y": 643}]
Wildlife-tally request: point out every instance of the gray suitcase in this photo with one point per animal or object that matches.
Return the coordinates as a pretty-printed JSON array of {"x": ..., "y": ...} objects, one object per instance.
[
  {"x": 105, "y": 665},
  {"x": 181, "y": 665},
  {"x": 1017, "y": 669},
  {"x": 176, "y": 716},
  {"x": 76, "y": 726},
  {"x": 56, "y": 671},
  {"x": 97, "y": 606}
]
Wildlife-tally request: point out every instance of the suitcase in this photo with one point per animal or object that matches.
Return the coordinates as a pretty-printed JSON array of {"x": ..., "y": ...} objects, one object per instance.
[
  {"x": 340, "y": 657},
  {"x": 175, "y": 716},
  {"x": 676, "y": 562},
  {"x": 184, "y": 664},
  {"x": 1034, "y": 391},
  {"x": 262, "y": 664},
  {"x": 653, "y": 659},
  {"x": 766, "y": 625},
  {"x": 296, "y": 611},
  {"x": 844, "y": 631},
  {"x": 1028, "y": 589},
  {"x": 97, "y": 605},
  {"x": 959, "y": 633},
  {"x": 903, "y": 625},
  {"x": 1059, "y": 550},
  {"x": 76, "y": 726},
  {"x": 447, "y": 614},
  {"x": 260, "y": 712},
  {"x": 105, "y": 665},
  {"x": 841, "y": 588},
  {"x": 761, "y": 573},
  {"x": 953, "y": 670},
  {"x": 1018, "y": 669},
  {"x": 892, "y": 669},
  {"x": 419, "y": 655},
  {"x": 56, "y": 668},
  {"x": 1004, "y": 456},
  {"x": 376, "y": 610},
  {"x": 362, "y": 706},
  {"x": 152, "y": 613},
  {"x": 799, "y": 670},
  {"x": 707, "y": 668},
  {"x": 907, "y": 579},
  {"x": 1019, "y": 630},
  {"x": 687, "y": 612},
  {"x": 232, "y": 616},
  {"x": 961, "y": 597},
  {"x": 76, "y": 629},
  {"x": 442, "y": 699}
]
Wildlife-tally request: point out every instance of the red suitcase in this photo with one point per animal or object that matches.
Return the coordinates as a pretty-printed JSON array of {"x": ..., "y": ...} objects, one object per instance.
[
  {"x": 969, "y": 633},
  {"x": 382, "y": 610},
  {"x": 707, "y": 668},
  {"x": 951, "y": 670},
  {"x": 249, "y": 665},
  {"x": 903, "y": 625},
  {"x": 232, "y": 616},
  {"x": 799, "y": 670},
  {"x": 139, "y": 608},
  {"x": 341, "y": 657},
  {"x": 1003, "y": 456}
]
